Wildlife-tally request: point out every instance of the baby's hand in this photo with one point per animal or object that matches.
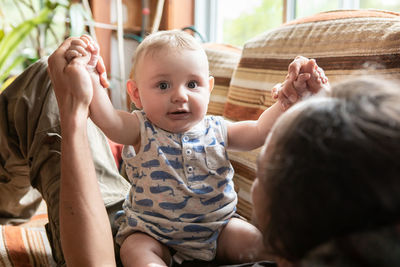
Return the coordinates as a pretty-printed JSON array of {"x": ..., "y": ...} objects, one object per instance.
[
  {"x": 85, "y": 46},
  {"x": 304, "y": 78}
]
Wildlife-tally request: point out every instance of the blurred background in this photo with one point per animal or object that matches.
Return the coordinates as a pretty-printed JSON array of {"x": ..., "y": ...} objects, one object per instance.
[{"x": 31, "y": 29}]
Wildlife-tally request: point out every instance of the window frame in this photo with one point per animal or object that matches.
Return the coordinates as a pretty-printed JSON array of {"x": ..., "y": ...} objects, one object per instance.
[{"x": 209, "y": 24}]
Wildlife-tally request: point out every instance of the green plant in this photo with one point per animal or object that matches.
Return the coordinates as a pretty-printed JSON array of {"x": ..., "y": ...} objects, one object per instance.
[
  {"x": 39, "y": 29},
  {"x": 10, "y": 41}
]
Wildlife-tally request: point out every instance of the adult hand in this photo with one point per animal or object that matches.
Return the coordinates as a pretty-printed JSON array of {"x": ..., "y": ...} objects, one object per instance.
[
  {"x": 71, "y": 81},
  {"x": 317, "y": 80},
  {"x": 96, "y": 60},
  {"x": 304, "y": 77},
  {"x": 83, "y": 45}
]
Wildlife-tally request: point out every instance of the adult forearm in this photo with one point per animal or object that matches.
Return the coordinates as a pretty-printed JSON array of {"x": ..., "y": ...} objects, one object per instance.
[{"x": 85, "y": 230}]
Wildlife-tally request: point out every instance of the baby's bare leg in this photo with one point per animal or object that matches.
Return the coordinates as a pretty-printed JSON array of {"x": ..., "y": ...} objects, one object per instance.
[
  {"x": 241, "y": 242},
  {"x": 142, "y": 250}
]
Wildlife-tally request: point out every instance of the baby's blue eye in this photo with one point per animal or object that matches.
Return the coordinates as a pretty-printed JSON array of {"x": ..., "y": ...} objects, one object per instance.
[
  {"x": 163, "y": 85},
  {"x": 192, "y": 84}
]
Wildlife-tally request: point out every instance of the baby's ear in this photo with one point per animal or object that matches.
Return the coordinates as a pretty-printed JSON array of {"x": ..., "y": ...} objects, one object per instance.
[
  {"x": 133, "y": 92},
  {"x": 211, "y": 81}
]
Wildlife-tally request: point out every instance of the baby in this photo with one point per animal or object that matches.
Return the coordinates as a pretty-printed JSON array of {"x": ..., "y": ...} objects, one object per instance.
[{"x": 182, "y": 201}]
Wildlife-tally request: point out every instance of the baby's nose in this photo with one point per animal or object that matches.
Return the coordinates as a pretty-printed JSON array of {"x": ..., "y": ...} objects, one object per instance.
[{"x": 179, "y": 94}]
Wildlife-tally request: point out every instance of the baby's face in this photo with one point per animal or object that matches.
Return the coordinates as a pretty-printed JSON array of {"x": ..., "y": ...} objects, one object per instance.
[{"x": 174, "y": 88}]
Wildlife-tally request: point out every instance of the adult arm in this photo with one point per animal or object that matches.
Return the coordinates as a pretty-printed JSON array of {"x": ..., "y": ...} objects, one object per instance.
[{"x": 85, "y": 230}]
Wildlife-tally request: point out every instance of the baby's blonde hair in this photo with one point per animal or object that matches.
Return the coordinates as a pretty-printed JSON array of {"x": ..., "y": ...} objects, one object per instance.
[{"x": 171, "y": 39}]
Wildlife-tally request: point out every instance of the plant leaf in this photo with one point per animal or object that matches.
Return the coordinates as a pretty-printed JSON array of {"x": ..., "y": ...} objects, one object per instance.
[
  {"x": 15, "y": 63},
  {"x": 11, "y": 40}
]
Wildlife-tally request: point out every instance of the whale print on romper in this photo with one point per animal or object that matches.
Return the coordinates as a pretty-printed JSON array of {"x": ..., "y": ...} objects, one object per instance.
[{"x": 182, "y": 189}]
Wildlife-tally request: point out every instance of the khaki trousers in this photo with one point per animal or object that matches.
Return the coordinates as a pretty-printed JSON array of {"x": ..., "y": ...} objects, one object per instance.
[{"x": 30, "y": 154}]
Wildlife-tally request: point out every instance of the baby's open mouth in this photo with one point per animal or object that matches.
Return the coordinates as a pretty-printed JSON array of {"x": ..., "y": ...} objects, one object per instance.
[{"x": 179, "y": 112}]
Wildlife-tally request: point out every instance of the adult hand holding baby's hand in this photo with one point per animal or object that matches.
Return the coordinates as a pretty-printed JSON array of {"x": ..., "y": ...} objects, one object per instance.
[
  {"x": 71, "y": 81},
  {"x": 304, "y": 78},
  {"x": 86, "y": 46}
]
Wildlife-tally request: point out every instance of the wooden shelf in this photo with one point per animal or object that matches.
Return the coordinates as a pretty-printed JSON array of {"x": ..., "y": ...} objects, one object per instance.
[{"x": 176, "y": 15}]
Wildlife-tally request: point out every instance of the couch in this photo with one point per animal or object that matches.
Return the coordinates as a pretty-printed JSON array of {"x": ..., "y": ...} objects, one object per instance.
[{"x": 344, "y": 43}]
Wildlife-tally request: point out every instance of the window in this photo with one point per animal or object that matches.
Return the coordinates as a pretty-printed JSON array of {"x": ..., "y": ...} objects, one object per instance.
[
  {"x": 314, "y": 6},
  {"x": 236, "y": 21},
  {"x": 391, "y": 5},
  {"x": 246, "y": 19},
  {"x": 308, "y": 7}
]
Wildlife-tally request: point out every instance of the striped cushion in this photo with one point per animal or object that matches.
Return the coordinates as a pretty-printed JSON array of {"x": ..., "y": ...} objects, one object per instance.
[
  {"x": 344, "y": 43},
  {"x": 26, "y": 244},
  {"x": 223, "y": 59}
]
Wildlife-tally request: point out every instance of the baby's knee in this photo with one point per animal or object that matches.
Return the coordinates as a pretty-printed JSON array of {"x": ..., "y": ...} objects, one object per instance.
[
  {"x": 140, "y": 249},
  {"x": 239, "y": 242}
]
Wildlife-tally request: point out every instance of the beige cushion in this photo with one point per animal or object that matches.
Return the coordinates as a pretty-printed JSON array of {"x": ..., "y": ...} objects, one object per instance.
[
  {"x": 344, "y": 43},
  {"x": 223, "y": 60}
]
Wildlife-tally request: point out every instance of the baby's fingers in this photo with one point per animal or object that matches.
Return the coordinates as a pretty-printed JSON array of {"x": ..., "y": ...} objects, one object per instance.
[
  {"x": 93, "y": 48},
  {"x": 76, "y": 49},
  {"x": 277, "y": 94},
  {"x": 101, "y": 69},
  {"x": 89, "y": 42},
  {"x": 94, "y": 55},
  {"x": 289, "y": 92},
  {"x": 322, "y": 75},
  {"x": 318, "y": 80},
  {"x": 309, "y": 66},
  {"x": 300, "y": 84},
  {"x": 296, "y": 66},
  {"x": 275, "y": 90}
]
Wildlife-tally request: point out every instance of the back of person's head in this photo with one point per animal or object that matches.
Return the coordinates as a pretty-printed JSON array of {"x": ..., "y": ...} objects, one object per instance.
[
  {"x": 164, "y": 41},
  {"x": 335, "y": 169},
  {"x": 370, "y": 248}
]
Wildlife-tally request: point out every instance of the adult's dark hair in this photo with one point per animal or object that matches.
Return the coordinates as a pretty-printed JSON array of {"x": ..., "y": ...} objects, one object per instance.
[
  {"x": 370, "y": 248},
  {"x": 335, "y": 169}
]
